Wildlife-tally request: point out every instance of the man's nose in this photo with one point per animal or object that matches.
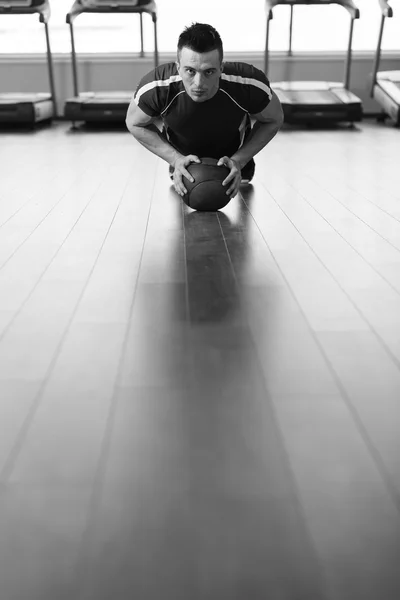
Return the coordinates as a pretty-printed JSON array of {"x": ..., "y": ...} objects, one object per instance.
[{"x": 199, "y": 80}]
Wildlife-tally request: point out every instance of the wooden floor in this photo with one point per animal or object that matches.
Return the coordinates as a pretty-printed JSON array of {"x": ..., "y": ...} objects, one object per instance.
[{"x": 199, "y": 406}]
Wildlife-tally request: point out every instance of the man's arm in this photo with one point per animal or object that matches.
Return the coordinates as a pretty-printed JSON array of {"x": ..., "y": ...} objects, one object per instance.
[
  {"x": 268, "y": 123},
  {"x": 144, "y": 130}
]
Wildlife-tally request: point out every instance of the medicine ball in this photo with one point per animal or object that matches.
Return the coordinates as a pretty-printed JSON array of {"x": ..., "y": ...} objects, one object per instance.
[{"x": 206, "y": 192}]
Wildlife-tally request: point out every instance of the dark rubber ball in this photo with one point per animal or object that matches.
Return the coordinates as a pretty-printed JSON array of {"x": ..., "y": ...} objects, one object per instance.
[{"x": 206, "y": 193}]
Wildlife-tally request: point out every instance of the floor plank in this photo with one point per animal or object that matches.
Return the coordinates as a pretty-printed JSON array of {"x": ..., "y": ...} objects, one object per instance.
[{"x": 200, "y": 405}]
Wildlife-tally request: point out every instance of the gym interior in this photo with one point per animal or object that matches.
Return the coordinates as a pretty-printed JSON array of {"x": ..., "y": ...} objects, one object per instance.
[{"x": 199, "y": 405}]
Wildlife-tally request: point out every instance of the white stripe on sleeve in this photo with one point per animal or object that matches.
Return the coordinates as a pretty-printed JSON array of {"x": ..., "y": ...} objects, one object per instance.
[
  {"x": 249, "y": 81},
  {"x": 156, "y": 83}
]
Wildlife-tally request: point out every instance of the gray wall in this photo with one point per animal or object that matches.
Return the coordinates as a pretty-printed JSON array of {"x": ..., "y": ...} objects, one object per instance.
[{"x": 99, "y": 72}]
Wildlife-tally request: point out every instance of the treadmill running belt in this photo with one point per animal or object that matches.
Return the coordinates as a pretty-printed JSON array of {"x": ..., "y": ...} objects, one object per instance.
[
  {"x": 106, "y": 101},
  {"x": 314, "y": 97}
]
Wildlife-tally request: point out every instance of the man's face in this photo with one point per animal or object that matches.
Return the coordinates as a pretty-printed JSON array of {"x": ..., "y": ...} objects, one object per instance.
[{"x": 200, "y": 73}]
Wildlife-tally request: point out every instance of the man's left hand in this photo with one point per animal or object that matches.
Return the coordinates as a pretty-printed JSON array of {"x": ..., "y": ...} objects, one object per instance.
[{"x": 234, "y": 178}]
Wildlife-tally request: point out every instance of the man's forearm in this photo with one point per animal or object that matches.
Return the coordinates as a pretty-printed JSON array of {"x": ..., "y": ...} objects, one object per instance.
[
  {"x": 151, "y": 138},
  {"x": 261, "y": 134}
]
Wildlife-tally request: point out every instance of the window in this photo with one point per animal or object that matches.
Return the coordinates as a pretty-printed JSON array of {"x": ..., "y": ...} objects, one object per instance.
[{"x": 314, "y": 28}]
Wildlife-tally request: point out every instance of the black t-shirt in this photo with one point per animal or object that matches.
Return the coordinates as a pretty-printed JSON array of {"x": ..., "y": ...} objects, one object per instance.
[{"x": 214, "y": 127}]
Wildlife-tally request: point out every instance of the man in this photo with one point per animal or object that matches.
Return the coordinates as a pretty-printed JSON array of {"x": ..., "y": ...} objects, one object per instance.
[{"x": 206, "y": 107}]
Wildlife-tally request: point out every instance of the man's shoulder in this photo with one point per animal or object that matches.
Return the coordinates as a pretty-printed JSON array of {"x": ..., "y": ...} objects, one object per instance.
[
  {"x": 155, "y": 89},
  {"x": 166, "y": 72},
  {"x": 242, "y": 71},
  {"x": 246, "y": 85}
]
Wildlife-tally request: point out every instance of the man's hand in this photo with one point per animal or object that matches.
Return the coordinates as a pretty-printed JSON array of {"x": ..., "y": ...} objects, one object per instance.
[
  {"x": 181, "y": 171},
  {"x": 234, "y": 178}
]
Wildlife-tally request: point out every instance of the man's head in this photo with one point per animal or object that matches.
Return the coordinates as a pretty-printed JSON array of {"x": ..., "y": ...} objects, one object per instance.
[{"x": 199, "y": 63}]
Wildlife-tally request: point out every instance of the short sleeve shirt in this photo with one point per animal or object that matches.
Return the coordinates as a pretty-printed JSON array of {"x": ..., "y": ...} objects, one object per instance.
[{"x": 214, "y": 127}]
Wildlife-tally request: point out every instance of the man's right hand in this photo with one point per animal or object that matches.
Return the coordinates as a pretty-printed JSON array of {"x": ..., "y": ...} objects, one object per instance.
[{"x": 180, "y": 171}]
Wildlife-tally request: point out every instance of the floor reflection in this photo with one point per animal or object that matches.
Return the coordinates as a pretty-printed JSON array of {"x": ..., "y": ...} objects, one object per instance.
[{"x": 215, "y": 252}]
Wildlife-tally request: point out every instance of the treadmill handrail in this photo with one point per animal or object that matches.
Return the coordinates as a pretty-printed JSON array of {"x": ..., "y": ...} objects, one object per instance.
[
  {"x": 78, "y": 8},
  {"x": 37, "y": 6},
  {"x": 91, "y": 6},
  {"x": 43, "y": 8},
  {"x": 386, "y": 12},
  {"x": 347, "y": 4},
  {"x": 386, "y": 9}
]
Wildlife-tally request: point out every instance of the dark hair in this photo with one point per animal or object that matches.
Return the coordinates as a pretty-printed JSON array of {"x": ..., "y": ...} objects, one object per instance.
[{"x": 201, "y": 37}]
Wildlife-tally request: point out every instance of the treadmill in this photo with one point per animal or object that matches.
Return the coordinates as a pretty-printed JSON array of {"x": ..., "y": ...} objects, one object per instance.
[
  {"x": 29, "y": 108},
  {"x": 104, "y": 107},
  {"x": 385, "y": 85},
  {"x": 313, "y": 102}
]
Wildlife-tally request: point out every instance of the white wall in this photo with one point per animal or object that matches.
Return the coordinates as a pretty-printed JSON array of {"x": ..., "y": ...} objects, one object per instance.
[{"x": 114, "y": 72}]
